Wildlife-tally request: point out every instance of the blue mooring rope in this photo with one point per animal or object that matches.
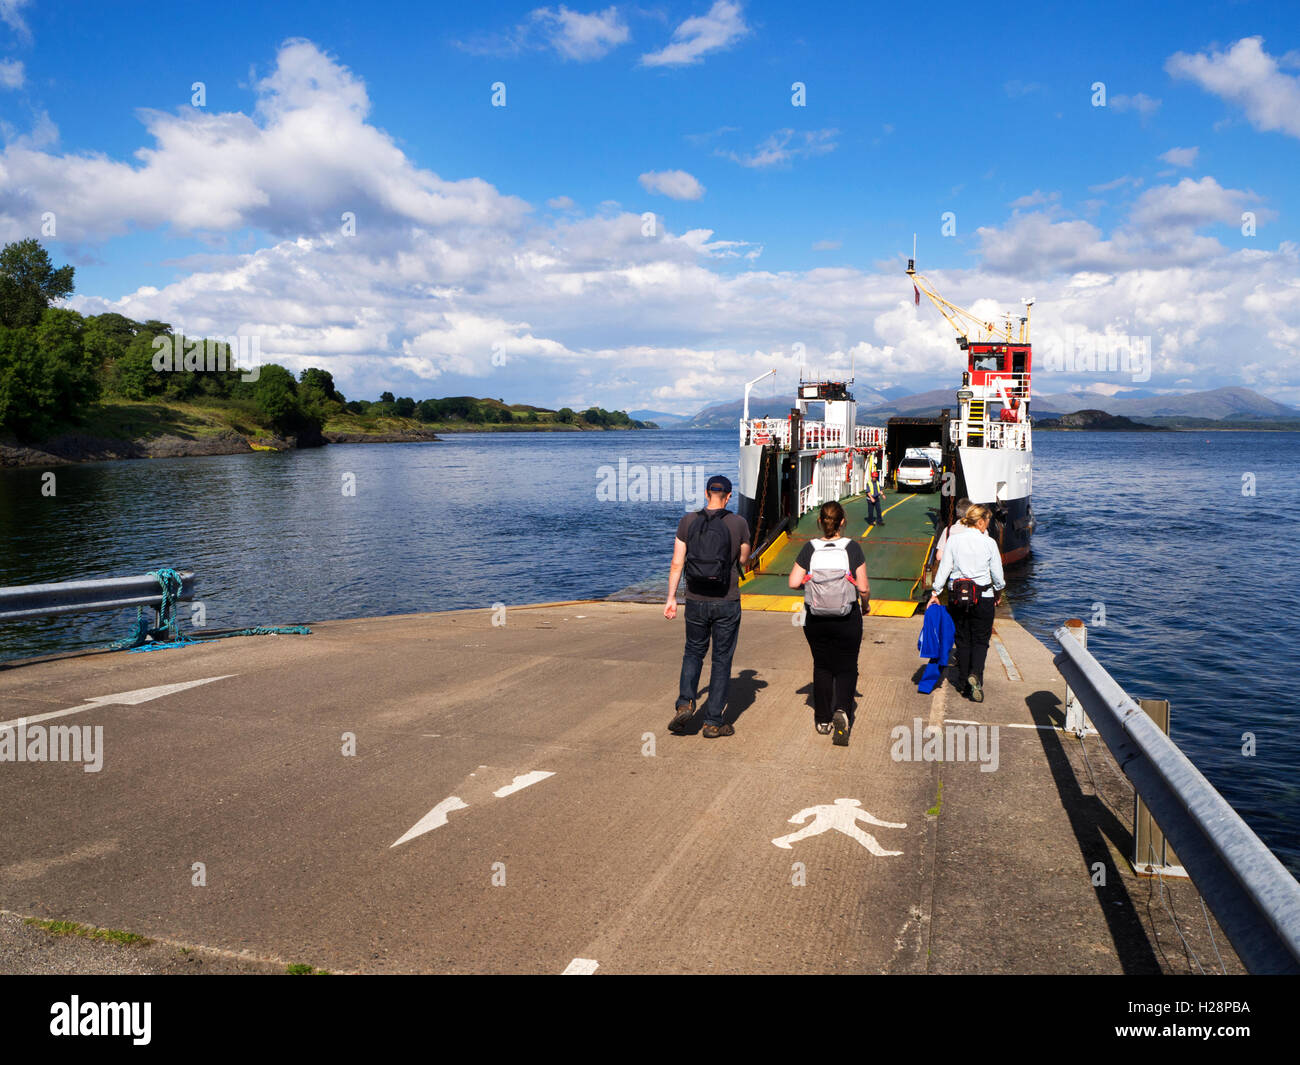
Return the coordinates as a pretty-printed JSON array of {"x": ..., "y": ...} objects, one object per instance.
[{"x": 143, "y": 638}]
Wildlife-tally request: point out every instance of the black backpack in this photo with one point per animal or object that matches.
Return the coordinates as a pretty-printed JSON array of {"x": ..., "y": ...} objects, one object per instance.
[{"x": 708, "y": 554}]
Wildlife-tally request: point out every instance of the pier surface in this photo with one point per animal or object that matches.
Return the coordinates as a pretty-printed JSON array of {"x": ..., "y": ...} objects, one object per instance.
[{"x": 515, "y": 803}]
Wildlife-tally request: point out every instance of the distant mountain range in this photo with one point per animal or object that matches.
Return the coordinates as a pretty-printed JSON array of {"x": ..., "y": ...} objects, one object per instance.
[{"x": 877, "y": 407}]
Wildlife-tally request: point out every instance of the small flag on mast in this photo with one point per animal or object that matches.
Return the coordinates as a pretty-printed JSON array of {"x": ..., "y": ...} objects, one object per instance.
[{"x": 918, "y": 294}]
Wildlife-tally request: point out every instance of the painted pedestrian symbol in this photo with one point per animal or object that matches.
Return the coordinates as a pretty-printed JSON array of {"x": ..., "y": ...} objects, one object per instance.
[{"x": 843, "y": 816}]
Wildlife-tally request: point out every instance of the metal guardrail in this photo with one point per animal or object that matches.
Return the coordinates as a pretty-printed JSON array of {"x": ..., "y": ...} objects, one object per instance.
[
  {"x": 79, "y": 597},
  {"x": 1254, "y": 898}
]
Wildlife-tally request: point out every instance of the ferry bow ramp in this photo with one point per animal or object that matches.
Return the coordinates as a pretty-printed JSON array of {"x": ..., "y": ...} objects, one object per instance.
[{"x": 447, "y": 793}]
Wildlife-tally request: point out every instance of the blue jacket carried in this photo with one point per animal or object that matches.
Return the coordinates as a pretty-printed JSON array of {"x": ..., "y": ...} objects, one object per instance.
[{"x": 935, "y": 643}]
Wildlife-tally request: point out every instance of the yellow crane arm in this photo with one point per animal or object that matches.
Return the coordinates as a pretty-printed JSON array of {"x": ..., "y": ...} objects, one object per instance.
[{"x": 956, "y": 315}]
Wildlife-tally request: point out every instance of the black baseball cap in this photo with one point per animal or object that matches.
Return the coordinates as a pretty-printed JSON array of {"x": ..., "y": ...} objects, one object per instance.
[{"x": 719, "y": 484}]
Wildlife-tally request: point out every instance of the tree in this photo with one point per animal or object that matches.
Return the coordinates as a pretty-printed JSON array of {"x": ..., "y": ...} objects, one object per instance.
[
  {"x": 319, "y": 381},
  {"x": 29, "y": 283},
  {"x": 565, "y": 415},
  {"x": 404, "y": 407},
  {"x": 387, "y": 397}
]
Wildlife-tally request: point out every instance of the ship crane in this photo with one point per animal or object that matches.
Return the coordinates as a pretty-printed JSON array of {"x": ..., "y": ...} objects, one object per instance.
[{"x": 964, "y": 321}]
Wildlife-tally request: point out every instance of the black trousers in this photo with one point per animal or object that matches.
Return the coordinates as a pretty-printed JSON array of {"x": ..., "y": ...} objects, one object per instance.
[
  {"x": 835, "y": 643},
  {"x": 974, "y": 628}
]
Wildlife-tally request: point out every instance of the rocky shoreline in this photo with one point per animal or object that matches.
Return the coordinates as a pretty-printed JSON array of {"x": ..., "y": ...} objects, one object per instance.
[{"x": 71, "y": 448}]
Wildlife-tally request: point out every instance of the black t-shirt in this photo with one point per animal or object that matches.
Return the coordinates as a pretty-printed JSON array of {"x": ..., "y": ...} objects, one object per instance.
[
  {"x": 852, "y": 548},
  {"x": 738, "y": 528}
]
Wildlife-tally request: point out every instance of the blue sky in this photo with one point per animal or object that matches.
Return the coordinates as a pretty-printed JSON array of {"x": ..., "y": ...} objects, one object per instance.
[{"x": 517, "y": 230}]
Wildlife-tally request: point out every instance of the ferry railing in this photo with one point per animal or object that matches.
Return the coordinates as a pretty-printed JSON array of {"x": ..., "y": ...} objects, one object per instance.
[
  {"x": 1014, "y": 436},
  {"x": 765, "y": 431},
  {"x": 1255, "y": 899},
  {"x": 868, "y": 436},
  {"x": 80, "y": 597},
  {"x": 1016, "y": 385},
  {"x": 821, "y": 435}
]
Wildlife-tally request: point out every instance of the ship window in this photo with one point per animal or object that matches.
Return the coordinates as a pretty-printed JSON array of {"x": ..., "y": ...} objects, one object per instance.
[{"x": 991, "y": 361}]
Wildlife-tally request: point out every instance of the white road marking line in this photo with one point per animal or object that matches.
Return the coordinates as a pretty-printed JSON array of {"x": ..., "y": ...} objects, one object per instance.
[
  {"x": 140, "y": 695},
  {"x": 1005, "y": 655},
  {"x": 521, "y": 782},
  {"x": 435, "y": 818},
  {"x": 982, "y": 724},
  {"x": 581, "y": 967}
]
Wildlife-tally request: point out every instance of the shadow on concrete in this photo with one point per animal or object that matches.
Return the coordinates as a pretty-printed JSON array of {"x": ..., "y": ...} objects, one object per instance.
[
  {"x": 742, "y": 695},
  {"x": 1094, "y": 823}
]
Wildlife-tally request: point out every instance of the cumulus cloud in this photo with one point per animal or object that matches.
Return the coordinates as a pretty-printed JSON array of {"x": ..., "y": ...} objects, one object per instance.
[
  {"x": 1249, "y": 77},
  {"x": 583, "y": 309},
  {"x": 675, "y": 184},
  {"x": 11, "y": 74},
  {"x": 1181, "y": 156},
  {"x": 305, "y": 157},
  {"x": 693, "y": 39},
  {"x": 826, "y": 245}
]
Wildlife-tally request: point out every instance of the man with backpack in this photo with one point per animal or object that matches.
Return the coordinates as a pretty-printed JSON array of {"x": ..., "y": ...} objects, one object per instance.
[{"x": 709, "y": 544}]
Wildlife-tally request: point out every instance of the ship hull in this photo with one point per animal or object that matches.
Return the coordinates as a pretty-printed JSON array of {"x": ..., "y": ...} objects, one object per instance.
[{"x": 1002, "y": 480}]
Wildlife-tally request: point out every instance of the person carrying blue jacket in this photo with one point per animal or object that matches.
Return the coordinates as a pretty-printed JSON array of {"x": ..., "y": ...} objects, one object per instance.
[
  {"x": 935, "y": 643},
  {"x": 978, "y": 559}
]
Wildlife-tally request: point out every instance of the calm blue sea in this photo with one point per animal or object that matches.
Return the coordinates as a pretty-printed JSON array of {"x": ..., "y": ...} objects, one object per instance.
[{"x": 1152, "y": 528}]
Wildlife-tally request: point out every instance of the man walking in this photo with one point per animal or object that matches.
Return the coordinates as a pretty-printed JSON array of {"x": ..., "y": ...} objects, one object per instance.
[{"x": 709, "y": 544}]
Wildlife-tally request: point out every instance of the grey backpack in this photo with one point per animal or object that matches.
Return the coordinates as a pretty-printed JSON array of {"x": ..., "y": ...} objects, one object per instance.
[{"x": 830, "y": 590}]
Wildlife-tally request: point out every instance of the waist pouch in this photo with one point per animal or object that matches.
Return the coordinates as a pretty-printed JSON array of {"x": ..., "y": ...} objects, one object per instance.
[{"x": 965, "y": 592}]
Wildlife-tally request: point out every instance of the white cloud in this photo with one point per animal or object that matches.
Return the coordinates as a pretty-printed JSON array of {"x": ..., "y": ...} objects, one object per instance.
[
  {"x": 1143, "y": 104},
  {"x": 306, "y": 156},
  {"x": 561, "y": 203},
  {"x": 675, "y": 184},
  {"x": 1118, "y": 183},
  {"x": 1035, "y": 198},
  {"x": 1183, "y": 157},
  {"x": 589, "y": 309},
  {"x": 11, "y": 16},
  {"x": 1249, "y": 77},
  {"x": 11, "y": 74},
  {"x": 827, "y": 245},
  {"x": 784, "y": 146},
  {"x": 582, "y": 37},
  {"x": 722, "y": 27}
]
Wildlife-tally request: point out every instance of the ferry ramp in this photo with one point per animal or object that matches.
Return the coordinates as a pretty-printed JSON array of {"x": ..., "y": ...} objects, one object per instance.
[
  {"x": 478, "y": 792},
  {"x": 896, "y": 553}
]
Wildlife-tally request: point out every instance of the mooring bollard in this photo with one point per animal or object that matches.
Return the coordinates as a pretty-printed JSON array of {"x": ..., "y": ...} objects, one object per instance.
[{"x": 1076, "y": 720}]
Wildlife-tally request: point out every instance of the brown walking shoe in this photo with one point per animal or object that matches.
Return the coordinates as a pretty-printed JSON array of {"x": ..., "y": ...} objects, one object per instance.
[
  {"x": 712, "y": 732},
  {"x": 682, "y": 718}
]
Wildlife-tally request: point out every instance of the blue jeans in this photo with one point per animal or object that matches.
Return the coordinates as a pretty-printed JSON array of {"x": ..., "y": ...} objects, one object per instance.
[
  {"x": 721, "y": 621},
  {"x": 873, "y": 507}
]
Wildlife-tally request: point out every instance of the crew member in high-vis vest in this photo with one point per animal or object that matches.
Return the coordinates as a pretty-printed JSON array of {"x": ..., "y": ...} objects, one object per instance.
[{"x": 875, "y": 493}]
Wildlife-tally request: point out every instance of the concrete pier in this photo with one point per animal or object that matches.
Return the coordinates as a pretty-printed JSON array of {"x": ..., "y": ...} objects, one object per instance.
[{"x": 497, "y": 792}]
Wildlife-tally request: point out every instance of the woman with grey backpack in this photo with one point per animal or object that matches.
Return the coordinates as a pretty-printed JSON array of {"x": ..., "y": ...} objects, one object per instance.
[{"x": 832, "y": 571}]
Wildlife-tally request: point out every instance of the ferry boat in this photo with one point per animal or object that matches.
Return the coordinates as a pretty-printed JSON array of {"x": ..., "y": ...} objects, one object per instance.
[
  {"x": 988, "y": 445},
  {"x": 791, "y": 465}
]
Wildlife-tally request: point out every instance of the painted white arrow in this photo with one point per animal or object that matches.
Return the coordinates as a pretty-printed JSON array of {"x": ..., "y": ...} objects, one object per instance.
[
  {"x": 437, "y": 817},
  {"x": 140, "y": 695}
]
